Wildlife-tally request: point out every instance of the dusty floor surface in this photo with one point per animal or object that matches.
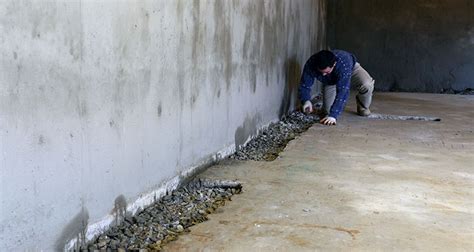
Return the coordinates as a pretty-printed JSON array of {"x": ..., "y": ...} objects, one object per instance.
[{"x": 365, "y": 184}]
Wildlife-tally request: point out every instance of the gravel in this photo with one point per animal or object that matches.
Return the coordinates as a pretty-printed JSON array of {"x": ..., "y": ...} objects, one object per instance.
[
  {"x": 467, "y": 91},
  {"x": 172, "y": 215},
  {"x": 273, "y": 139}
]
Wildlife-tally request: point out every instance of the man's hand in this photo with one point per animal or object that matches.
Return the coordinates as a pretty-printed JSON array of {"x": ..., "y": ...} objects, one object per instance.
[
  {"x": 328, "y": 120},
  {"x": 308, "y": 107}
]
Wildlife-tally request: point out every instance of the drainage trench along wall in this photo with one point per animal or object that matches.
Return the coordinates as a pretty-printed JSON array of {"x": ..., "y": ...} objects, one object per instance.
[{"x": 105, "y": 105}]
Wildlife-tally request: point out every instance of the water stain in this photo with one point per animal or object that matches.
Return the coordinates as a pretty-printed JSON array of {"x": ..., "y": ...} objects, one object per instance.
[
  {"x": 120, "y": 209},
  {"x": 197, "y": 32},
  {"x": 75, "y": 48},
  {"x": 252, "y": 46},
  {"x": 253, "y": 77},
  {"x": 321, "y": 27},
  {"x": 75, "y": 229},
  {"x": 180, "y": 57},
  {"x": 41, "y": 140},
  {"x": 247, "y": 42},
  {"x": 297, "y": 240},
  {"x": 246, "y": 130},
  {"x": 159, "y": 109},
  {"x": 223, "y": 39},
  {"x": 198, "y": 51},
  {"x": 351, "y": 232},
  {"x": 292, "y": 70},
  {"x": 81, "y": 108}
]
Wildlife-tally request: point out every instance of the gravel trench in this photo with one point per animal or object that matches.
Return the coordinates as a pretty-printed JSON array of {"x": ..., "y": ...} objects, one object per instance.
[
  {"x": 173, "y": 214},
  {"x": 273, "y": 139},
  {"x": 163, "y": 221}
]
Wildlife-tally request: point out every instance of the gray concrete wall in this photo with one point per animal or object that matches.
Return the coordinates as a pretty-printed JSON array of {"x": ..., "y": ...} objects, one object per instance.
[
  {"x": 423, "y": 46},
  {"x": 105, "y": 105}
]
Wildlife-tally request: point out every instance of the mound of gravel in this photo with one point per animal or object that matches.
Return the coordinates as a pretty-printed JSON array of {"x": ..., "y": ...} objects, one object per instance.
[
  {"x": 162, "y": 222},
  {"x": 273, "y": 139}
]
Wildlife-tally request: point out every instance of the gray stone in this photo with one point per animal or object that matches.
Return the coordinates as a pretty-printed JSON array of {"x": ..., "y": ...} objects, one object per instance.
[
  {"x": 169, "y": 216},
  {"x": 272, "y": 140}
]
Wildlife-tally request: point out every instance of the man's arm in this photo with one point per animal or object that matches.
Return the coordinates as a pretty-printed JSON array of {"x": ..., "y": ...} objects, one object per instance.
[
  {"x": 307, "y": 80},
  {"x": 342, "y": 94}
]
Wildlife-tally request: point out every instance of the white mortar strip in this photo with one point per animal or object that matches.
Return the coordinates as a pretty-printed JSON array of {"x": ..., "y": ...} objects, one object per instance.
[
  {"x": 146, "y": 200},
  {"x": 401, "y": 117}
]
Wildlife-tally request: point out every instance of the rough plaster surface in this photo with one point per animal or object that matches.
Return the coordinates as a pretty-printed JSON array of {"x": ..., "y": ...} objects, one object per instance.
[
  {"x": 105, "y": 104},
  {"x": 422, "y": 46}
]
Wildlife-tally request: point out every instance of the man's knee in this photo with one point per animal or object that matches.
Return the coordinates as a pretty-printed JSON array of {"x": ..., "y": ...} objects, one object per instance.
[
  {"x": 367, "y": 86},
  {"x": 362, "y": 80}
]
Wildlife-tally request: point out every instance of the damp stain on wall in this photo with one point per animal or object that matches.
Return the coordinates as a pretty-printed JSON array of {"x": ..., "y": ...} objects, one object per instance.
[
  {"x": 292, "y": 70},
  {"x": 75, "y": 229},
  {"x": 247, "y": 129},
  {"x": 223, "y": 39},
  {"x": 159, "y": 109},
  {"x": 120, "y": 208}
]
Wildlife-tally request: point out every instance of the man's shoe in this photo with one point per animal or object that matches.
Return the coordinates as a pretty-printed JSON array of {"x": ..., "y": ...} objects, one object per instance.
[{"x": 363, "y": 111}]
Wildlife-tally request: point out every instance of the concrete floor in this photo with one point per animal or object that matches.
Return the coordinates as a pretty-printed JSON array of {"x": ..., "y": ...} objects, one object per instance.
[{"x": 363, "y": 185}]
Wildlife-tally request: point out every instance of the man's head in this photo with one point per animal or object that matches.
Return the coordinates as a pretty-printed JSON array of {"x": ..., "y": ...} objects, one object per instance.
[{"x": 325, "y": 62}]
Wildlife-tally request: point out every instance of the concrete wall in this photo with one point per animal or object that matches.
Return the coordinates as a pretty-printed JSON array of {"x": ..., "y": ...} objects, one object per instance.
[
  {"x": 105, "y": 105},
  {"x": 425, "y": 45}
]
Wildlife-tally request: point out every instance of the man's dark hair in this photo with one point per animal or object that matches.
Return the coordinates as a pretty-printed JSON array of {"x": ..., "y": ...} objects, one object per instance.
[{"x": 325, "y": 59}]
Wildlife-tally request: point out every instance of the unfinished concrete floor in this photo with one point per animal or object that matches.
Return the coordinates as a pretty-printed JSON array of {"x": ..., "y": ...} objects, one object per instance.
[{"x": 362, "y": 185}]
